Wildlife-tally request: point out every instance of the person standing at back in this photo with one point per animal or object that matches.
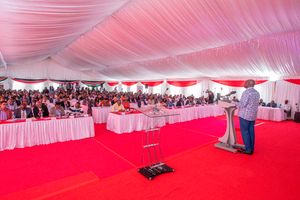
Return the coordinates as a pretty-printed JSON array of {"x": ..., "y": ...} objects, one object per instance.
[{"x": 248, "y": 107}]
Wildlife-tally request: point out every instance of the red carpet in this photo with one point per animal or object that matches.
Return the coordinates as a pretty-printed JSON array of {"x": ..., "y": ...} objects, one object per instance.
[
  {"x": 23, "y": 168},
  {"x": 56, "y": 187},
  {"x": 208, "y": 173},
  {"x": 174, "y": 139},
  {"x": 202, "y": 171}
]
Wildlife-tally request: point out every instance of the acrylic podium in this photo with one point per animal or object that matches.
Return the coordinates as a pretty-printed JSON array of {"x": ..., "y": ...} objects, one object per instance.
[
  {"x": 152, "y": 156},
  {"x": 228, "y": 141}
]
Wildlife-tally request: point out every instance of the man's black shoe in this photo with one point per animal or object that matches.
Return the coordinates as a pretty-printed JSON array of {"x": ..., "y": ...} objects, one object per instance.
[
  {"x": 244, "y": 152},
  {"x": 240, "y": 148}
]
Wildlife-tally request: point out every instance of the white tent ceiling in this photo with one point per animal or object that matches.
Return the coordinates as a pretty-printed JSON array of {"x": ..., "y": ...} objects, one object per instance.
[{"x": 151, "y": 39}]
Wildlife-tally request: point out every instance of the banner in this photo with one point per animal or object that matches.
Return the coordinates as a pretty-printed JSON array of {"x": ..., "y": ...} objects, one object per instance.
[
  {"x": 3, "y": 79},
  {"x": 112, "y": 83},
  {"x": 129, "y": 83},
  {"x": 182, "y": 83},
  {"x": 64, "y": 81},
  {"x": 152, "y": 83},
  {"x": 29, "y": 81},
  {"x": 92, "y": 83},
  {"x": 295, "y": 81},
  {"x": 236, "y": 83}
]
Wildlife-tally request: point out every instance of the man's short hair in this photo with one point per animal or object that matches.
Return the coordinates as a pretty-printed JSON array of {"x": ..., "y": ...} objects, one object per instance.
[{"x": 250, "y": 82}]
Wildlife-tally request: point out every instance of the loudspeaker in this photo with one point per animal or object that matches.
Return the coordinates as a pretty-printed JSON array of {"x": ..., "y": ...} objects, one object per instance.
[{"x": 297, "y": 117}]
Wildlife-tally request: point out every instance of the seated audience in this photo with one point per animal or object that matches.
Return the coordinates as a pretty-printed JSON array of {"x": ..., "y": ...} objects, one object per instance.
[
  {"x": 272, "y": 104},
  {"x": 170, "y": 103},
  {"x": 180, "y": 103},
  {"x": 66, "y": 104},
  {"x": 11, "y": 104},
  {"x": 126, "y": 104},
  {"x": 45, "y": 100},
  {"x": 189, "y": 101},
  {"x": 262, "y": 103},
  {"x": 57, "y": 110},
  {"x": 73, "y": 101},
  {"x": 118, "y": 107},
  {"x": 5, "y": 113},
  {"x": 23, "y": 111},
  {"x": 40, "y": 110},
  {"x": 114, "y": 100},
  {"x": 151, "y": 101},
  {"x": 140, "y": 99},
  {"x": 54, "y": 102},
  {"x": 104, "y": 103},
  {"x": 76, "y": 108},
  {"x": 201, "y": 101}
]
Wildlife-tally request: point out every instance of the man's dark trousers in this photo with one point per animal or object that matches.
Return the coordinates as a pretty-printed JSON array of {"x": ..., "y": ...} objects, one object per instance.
[{"x": 247, "y": 129}]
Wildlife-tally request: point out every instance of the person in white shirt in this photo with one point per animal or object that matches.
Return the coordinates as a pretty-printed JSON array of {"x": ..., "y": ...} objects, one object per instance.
[
  {"x": 57, "y": 110},
  {"x": 73, "y": 101},
  {"x": 76, "y": 108}
]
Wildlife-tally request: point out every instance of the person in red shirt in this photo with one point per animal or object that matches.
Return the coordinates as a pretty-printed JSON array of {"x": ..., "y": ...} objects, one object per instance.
[
  {"x": 126, "y": 104},
  {"x": 104, "y": 102}
]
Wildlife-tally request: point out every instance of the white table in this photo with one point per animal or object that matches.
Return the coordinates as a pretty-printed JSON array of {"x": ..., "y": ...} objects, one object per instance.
[
  {"x": 130, "y": 122},
  {"x": 27, "y": 134},
  {"x": 195, "y": 112},
  {"x": 272, "y": 114},
  {"x": 136, "y": 122},
  {"x": 100, "y": 114}
]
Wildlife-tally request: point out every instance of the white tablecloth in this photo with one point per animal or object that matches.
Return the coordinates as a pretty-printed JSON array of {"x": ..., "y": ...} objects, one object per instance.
[
  {"x": 27, "y": 134},
  {"x": 137, "y": 122},
  {"x": 132, "y": 122},
  {"x": 197, "y": 112},
  {"x": 273, "y": 114},
  {"x": 100, "y": 115}
]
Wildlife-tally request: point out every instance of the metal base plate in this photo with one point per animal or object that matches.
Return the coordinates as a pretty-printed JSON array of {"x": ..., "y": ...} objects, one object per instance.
[
  {"x": 226, "y": 147},
  {"x": 239, "y": 146},
  {"x": 152, "y": 171}
]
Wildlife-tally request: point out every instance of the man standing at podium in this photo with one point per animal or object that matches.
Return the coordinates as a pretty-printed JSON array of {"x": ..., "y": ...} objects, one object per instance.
[{"x": 248, "y": 107}]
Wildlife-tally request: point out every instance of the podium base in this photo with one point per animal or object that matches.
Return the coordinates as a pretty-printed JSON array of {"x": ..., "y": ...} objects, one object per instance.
[
  {"x": 227, "y": 147},
  {"x": 152, "y": 171}
]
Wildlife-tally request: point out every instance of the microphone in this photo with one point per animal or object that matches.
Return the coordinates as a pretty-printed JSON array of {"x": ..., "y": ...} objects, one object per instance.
[{"x": 231, "y": 93}]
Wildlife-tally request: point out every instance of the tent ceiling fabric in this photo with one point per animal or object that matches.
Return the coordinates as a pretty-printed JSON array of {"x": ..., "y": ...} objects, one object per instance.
[
  {"x": 34, "y": 30},
  {"x": 163, "y": 39}
]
